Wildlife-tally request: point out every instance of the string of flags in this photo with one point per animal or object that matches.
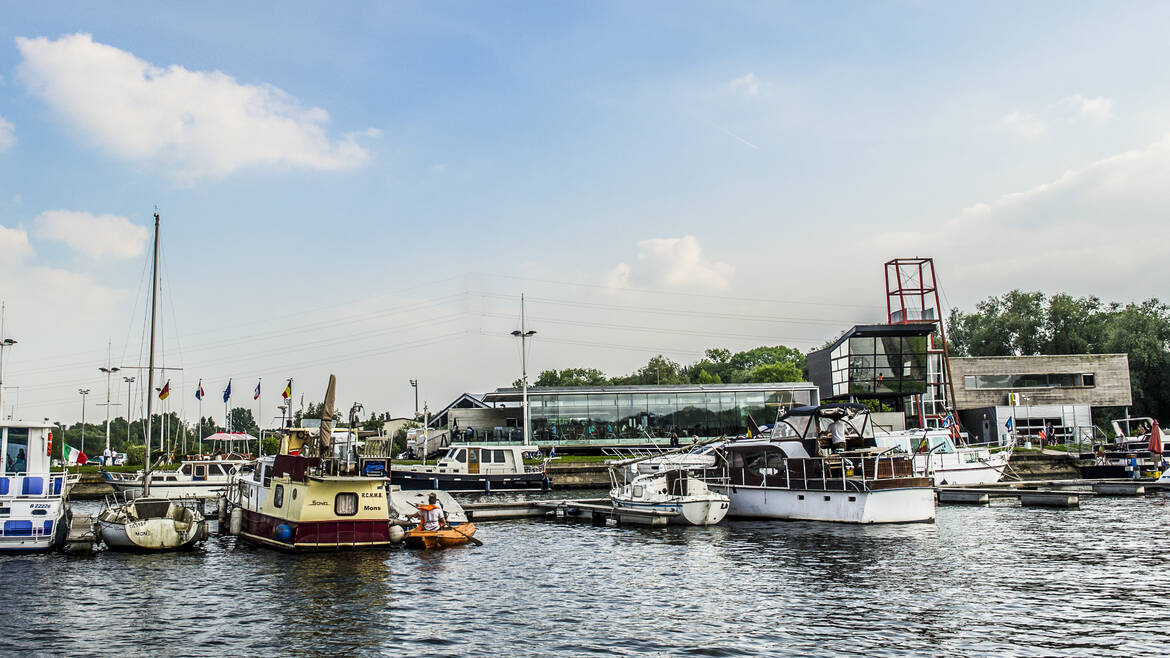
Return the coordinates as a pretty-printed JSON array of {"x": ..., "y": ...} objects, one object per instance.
[{"x": 165, "y": 391}]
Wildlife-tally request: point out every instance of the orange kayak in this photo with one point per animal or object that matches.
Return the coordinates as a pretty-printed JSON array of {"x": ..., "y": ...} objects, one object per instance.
[{"x": 442, "y": 538}]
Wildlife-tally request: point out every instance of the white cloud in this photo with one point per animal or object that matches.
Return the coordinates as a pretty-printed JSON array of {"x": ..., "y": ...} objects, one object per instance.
[
  {"x": 202, "y": 123},
  {"x": 1025, "y": 124},
  {"x": 7, "y": 134},
  {"x": 674, "y": 263},
  {"x": 13, "y": 244},
  {"x": 93, "y": 235},
  {"x": 1099, "y": 108},
  {"x": 748, "y": 84}
]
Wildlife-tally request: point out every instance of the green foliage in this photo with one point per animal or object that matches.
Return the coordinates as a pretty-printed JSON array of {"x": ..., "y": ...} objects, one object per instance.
[
  {"x": 569, "y": 377},
  {"x": 242, "y": 421},
  {"x": 399, "y": 442},
  {"x": 134, "y": 456},
  {"x": 707, "y": 378},
  {"x": 776, "y": 363},
  {"x": 1028, "y": 323},
  {"x": 774, "y": 372}
]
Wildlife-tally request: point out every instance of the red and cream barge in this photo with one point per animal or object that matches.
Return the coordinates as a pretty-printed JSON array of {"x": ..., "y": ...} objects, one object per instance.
[{"x": 308, "y": 497}]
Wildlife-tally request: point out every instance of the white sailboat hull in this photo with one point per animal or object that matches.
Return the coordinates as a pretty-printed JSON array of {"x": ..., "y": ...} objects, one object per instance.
[
  {"x": 708, "y": 510},
  {"x": 905, "y": 505},
  {"x": 953, "y": 468},
  {"x": 172, "y": 490}
]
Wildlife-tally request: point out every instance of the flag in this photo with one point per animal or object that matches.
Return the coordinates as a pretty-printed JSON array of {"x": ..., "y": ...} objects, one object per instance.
[
  {"x": 165, "y": 391},
  {"x": 1009, "y": 424},
  {"x": 287, "y": 390},
  {"x": 753, "y": 430},
  {"x": 73, "y": 455},
  {"x": 256, "y": 394},
  {"x": 948, "y": 421},
  {"x": 199, "y": 391},
  {"x": 227, "y": 392}
]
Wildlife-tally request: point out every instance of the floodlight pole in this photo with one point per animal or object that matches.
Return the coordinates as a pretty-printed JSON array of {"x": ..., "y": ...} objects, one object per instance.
[{"x": 524, "y": 334}]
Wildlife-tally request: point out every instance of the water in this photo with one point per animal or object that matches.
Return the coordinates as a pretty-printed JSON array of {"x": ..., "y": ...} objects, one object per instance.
[{"x": 996, "y": 580}]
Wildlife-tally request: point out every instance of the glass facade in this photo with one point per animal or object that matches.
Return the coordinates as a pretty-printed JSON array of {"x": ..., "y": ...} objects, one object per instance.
[
  {"x": 883, "y": 365},
  {"x": 562, "y": 417},
  {"x": 1052, "y": 380}
]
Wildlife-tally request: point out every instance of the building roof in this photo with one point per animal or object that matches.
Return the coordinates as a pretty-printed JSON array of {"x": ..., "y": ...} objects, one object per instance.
[{"x": 515, "y": 394}]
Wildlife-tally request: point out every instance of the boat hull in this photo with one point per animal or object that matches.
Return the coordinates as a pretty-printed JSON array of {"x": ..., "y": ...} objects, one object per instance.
[
  {"x": 150, "y": 535},
  {"x": 946, "y": 472},
  {"x": 893, "y": 505},
  {"x": 707, "y": 511},
  {"x": 334, "y": 535},
  {"x": 171, "y": 490},
  {"x": 469, "y": 483},
  {"x": 445, "y": 538}
]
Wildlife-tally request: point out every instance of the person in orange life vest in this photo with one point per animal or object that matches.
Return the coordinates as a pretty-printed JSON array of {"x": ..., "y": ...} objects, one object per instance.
[{"x": 431, "y": 516}]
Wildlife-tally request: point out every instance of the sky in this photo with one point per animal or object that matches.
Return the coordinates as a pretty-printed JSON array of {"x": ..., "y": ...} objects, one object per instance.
[{"x": 366, "y": 189}]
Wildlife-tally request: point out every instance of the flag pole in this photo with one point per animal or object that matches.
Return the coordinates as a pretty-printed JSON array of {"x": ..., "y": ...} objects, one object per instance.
[
  {"x": 259, "y": 418},
  {"x": 201, "y": 418}
]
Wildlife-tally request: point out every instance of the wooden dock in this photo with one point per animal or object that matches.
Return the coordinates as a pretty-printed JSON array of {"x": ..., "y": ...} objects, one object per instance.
[{"x": 1046, "y": 493}]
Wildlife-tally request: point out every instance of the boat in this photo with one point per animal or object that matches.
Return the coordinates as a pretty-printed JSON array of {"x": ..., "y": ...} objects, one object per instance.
[
  {"x": 150, "y": 523},
  {"x": 33, "y": 511},
  {"x": 455, "y": 535},
  {"x": 938, "y": 456},
  {"x": 315, "y": 495},
  {"x": 644, "y": 460},
  {"x": 793, "y": 473},
  {"x": 474, "y": 467},
  {"x": 204, "y": 479},
  {"x": 1127, "y": 456},
  {"x": 676, "y": 492}
]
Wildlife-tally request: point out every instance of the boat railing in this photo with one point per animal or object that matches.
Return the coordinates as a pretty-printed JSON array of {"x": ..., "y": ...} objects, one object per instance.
[{"x": 835, "y": 473}]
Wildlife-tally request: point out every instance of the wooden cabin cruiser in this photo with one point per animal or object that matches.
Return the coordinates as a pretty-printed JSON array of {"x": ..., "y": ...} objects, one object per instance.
[
  {"x": 939, "y": 457},
  {"x": 307, "y": 497},
  {"x": 796, "y": 473},
  {"x": 204, "y": 479},
  {"x": 32, "y": 498},
  {"x": 470, "y": 467},
  {"x": 676, "y": 491}
]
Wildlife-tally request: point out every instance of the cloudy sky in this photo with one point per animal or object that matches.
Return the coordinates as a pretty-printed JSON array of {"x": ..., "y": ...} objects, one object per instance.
[{"x": 368, "y": 190}]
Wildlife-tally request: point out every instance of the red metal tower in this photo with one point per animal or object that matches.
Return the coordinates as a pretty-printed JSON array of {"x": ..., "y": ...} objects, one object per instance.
[{"x": 912, "y": 297}]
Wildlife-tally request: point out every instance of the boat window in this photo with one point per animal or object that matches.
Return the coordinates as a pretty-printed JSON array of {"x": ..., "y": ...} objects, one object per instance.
[
  {"x": 267, "y": 475},
  {"x": 278, "y": 496},
  {"x": 201, "y": 471},
  {"x": 16, "y": 456},
  {"x": 215, "y": 469},
  {"x": 345, "y": 504},
  {"x": 461, "y": 456},
  {"x": 499, "y": 456},
  {"x": 185, "y": 469}
]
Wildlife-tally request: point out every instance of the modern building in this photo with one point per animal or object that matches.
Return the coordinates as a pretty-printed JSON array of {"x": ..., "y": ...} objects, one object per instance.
[
  {"x": 626, "y": 415},
  {"x": 1038, "y": 390}
]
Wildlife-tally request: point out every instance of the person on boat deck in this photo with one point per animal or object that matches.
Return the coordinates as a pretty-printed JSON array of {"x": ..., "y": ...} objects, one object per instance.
[
  {"x": 837, "y": 435},
  {"x": 431, "y": 515}
]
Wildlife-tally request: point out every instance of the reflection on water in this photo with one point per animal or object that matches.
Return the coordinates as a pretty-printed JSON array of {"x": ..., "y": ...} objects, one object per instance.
[{"x": 992, "y": 580}]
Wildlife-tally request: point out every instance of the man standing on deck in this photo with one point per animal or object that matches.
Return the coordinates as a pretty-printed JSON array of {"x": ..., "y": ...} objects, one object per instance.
[{"x": 837, "y": 434}]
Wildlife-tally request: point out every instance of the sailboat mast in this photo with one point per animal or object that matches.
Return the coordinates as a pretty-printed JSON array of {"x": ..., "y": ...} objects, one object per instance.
[{"x": 150, "y": 364}]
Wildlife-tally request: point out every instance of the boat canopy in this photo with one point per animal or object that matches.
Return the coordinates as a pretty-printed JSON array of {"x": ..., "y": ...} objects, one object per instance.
[{"x": 835, "y": 410}]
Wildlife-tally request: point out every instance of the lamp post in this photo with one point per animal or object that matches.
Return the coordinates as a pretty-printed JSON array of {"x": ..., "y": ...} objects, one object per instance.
[
  {"x": 84, "y": 392},
  {"x": 109, "y": 370},
  {"x": 524, "y": 334},
  {"x": 414, "y": 385},
  {"x": 4, "y": 342},
  {"x": 129, "y": 382}
]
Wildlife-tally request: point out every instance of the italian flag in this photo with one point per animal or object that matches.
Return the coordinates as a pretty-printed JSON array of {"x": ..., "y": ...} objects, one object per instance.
[{"x": 73, "y": 455}]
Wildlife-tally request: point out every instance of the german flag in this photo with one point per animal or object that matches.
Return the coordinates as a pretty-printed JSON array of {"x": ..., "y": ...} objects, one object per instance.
[{"x": 165, "y": 391}]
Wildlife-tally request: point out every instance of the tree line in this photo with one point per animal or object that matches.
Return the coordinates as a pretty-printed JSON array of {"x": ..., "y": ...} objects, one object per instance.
[{"x": 776, "y": 363}]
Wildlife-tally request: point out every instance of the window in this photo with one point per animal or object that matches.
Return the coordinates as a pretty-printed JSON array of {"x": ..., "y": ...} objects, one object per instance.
[
  {"x": 346, "y": 504},
  {"x": 461, "y": 456},
  {"x": 16, "y": 455},
  {"x": 278, "y": 496},
  {"x": 185, "y": 469},
  {"x": 1088, "y": 380},
  {"x": 1029, "y": 380}
]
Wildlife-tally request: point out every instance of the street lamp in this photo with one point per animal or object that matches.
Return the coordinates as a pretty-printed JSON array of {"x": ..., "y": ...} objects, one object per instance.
[
  {"x": 109, "y": 370},
  {"x": 129, "y": 382},
  {"x": 84, "y": 392},
  {"x": 6, "y": 342},
  {"x": 414, "y": 385},
  {"x": 524, "y": 335}
]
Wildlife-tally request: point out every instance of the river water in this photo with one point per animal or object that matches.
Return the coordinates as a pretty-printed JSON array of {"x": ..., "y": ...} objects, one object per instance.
[{"x": 998, "y": 580}]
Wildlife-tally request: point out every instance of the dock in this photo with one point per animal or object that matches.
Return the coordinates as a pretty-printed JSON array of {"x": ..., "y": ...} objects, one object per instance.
[
  {"x": 598, "y": 511},
  {"x": 1046, "y": 493}
]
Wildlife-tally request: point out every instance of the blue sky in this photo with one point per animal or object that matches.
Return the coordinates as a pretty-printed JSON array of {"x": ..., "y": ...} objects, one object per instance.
[{"x": 367, "y": 188}]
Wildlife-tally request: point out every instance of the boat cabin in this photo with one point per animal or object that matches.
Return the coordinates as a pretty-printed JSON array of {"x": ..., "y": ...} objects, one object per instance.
[
  {"x": 814, "y": 427},
  {"x": 482, "y": 460},
  {"x": 31, "y": 496}
]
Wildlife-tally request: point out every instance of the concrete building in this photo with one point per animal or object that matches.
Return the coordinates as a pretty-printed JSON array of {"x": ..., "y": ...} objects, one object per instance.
[{"x": 1037, "y": 390}]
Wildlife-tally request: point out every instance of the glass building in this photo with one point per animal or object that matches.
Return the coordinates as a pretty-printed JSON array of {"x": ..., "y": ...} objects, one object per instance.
[{"x": 631, "y": 414}]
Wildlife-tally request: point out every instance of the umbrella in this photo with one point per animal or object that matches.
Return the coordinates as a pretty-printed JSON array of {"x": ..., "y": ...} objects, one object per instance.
[{"x": 1156, "y": 439}]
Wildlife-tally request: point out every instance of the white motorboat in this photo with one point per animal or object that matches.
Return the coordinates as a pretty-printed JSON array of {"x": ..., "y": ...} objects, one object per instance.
[
  {"x": 790, "y": 473},
  {"x": 938, "y": 457},
  {"x": 150, "y": 524},
  {"x": 32, "y": 498},
  {"x": 204, "y": 479},
  {"x": 676, "y": 492},
  {"x": 470, "y": 467}
]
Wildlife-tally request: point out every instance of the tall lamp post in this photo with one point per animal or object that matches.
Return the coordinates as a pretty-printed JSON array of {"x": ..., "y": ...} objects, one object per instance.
[
  {"x": 129, "y": 382},
  {"x": 524, "y": 334},
  {"x": 109, "y": 370},
  {"x": 84, "y": 392},
  {"x": 414, "y": 385},
  {"x": 4, "y": 342}
]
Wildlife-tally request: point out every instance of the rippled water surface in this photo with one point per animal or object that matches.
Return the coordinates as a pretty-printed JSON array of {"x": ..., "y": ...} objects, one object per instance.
[{"x": 992, "y": 580}]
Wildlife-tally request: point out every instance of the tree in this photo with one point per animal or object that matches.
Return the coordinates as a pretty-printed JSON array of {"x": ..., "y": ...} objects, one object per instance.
[
  {"x": 658, "y": 370},
  {"x": 242, "y": 421},
  {"x": 569, "y": 377},
  {"x": 774, "y": 372},
  {"x": 705, "y": 378}
]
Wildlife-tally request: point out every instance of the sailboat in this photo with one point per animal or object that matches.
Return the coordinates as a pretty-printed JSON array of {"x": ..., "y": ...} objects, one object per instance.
[{"x": 146, "y": 523}]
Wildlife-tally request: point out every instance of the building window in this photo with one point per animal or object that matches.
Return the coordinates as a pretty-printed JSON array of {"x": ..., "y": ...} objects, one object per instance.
[
  {"x": 1031, "y": 380},
  {"x": 1088, "y": 380},
  {"x": 345, "y": 504}
]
